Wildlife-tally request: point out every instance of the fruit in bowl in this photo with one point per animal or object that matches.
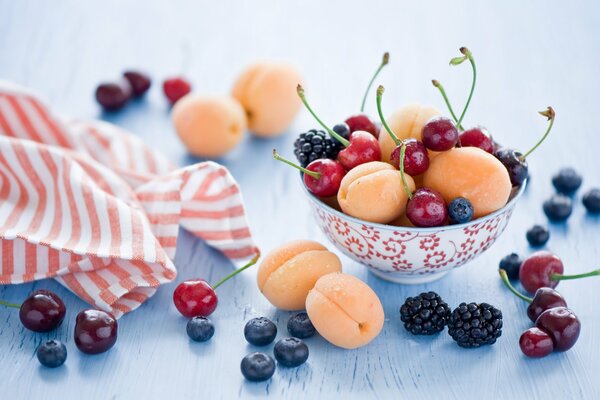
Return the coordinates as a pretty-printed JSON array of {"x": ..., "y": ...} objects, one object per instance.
[{"x": 426, "y": 197}]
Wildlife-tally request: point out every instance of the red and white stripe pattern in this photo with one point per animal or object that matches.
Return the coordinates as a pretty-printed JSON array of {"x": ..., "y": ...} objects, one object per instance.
[{"x": 97, "y": 209}]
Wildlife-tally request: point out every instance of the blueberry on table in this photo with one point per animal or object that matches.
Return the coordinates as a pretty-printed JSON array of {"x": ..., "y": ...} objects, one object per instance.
[
  {"x": 537, "y": 236},
  {"x": 291, "y": 352},
  {"x": 257, "y": 367},
  {"x": 300, "y": 326},
  {"x": 511, "y": 264},
  {"x": 460, "y": 210},
  {"x": 424, "y": 314},
  {"x": 567, "y": 181},
  {"x": 200, "y": 329},
  {"x": 260, "y": 331},
  {"x": 52, "y": 353},
  {"x": 591, "y": 201},
  {"x": 558, "y": 208},
  {"x": 474, "y": 325}
]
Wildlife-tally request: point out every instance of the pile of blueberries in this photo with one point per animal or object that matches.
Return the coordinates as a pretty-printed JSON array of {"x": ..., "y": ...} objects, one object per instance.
[
  {"x": 259, "y": 366},
  {"x": 559, "y": 207}
]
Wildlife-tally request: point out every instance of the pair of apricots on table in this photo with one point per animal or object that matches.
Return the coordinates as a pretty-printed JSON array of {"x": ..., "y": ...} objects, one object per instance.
[
  {"x": 262, "y": 101},
  {"x": 304, "y": 275}
]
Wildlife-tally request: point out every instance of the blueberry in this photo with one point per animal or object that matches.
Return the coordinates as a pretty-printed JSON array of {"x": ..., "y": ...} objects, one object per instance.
[
  {"x": 538, "y": 235},
  {"x": 291, "y": 352},
  {"x": 460, "y": 210},
  {"x": 52, "y": 353},
  {"x": 591, "y": 200},
  {"x": 260, "y": 331},
  {"x": 511, "y": 264},
  {"x": 257, "y": 367},
  {"x": 558, "y": 207},
  {"x": 342, "y": 129},
  {"x": 567, "y": 181},
  {"x": 200, "y": 329},
  {"x": 299, "y": 325}
]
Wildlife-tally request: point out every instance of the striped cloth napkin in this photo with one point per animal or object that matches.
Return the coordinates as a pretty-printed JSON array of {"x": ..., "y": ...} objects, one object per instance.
[{"x": 95, "y": 208}]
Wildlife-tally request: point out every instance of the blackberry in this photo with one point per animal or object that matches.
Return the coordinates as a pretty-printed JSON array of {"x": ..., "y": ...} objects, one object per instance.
[
  {"x": 511, "y": 264},
  {"x": 537, "y": 235},
  {"x": 425, "y": 314},
  {"x": 314, "y": 144},
  {"x": 558, "y": 208},
  {"x": 475, "y": 325},
  {"x": 567, "y": 181}
]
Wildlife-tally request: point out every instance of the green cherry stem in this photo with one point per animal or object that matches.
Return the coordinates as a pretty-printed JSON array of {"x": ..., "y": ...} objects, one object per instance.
[
  {"x": 237, "y": 271},
  {"x": 510, "y": 287},
  {"x": 560, "y": 277},
  {"x": 469, "y": 57},
  {"x": 398, "y": 142},
  {"x": 7, "y": 304},
  {"x": 314, "y": 174},
  {"x": 385, "y": 60},
  {"x": 438, "y": 85},
  {"x": 339, "y": 138},
  {"x": 550, "y": 114}
]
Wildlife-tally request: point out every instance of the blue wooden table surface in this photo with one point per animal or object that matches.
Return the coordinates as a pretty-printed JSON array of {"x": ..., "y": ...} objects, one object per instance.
[{"x": 530, "y": 55}]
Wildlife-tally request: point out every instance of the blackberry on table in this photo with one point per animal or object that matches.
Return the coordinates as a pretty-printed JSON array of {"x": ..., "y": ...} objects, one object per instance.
[
  {"x": 315, "y": 144},
  {"x": 424, "y": 314},
  {"x": 474, "y": 325}
]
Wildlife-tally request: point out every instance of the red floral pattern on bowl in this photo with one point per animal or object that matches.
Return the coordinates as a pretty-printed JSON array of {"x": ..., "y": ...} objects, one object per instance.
[{"x": 411, "y": 255}]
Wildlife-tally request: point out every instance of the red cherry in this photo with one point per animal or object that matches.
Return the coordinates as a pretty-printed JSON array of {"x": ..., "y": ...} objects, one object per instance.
[
  {"x": 139, "y": 81},
  {"x": 363, "y": 148},
  {"x": 42, "y": 311},
  {"x": 95, "y": 331},
  {"x": 176, "y": 88},
  {"x": 194, "y": 298},
  {"x": 362, "y": 122},
  {"x": 113, "y": 96},
  {"x": 562, "y": 325},
  {"x": 427, "y": 208},
  {"x": 544, "y": 299},
  {"x": 536, "y": 343},
  {"x": 537, "y": 269},
  {"x": 322, "y": 177},
  {"x": 439, "y": 134},
  {"x": 416, "y": 157},
  {"x": 477, "y": 137}
]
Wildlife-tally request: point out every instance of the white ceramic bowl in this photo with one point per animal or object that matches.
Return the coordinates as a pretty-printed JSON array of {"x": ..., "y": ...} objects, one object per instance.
[{"x": 411, "y": 255}]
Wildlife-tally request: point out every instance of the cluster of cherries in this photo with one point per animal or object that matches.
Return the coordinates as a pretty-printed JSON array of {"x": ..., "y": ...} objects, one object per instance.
[
  {"x": 44, "y": 311},
  {"x": 556, "y": 326},
  {"x": 358, "y": 137},
  {"x": 115, "y": 95}
]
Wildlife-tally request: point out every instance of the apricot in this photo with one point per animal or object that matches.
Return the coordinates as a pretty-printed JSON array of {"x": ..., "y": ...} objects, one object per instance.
[
  {"x": 288, "y": 272},
  {"x": 406, "y": 122},
  {"x": 209, "y": 126},
  {"x": 345, "y": 310},
  {"x": 374, "y": 192},
  {"x": 472, "y": 173},
  {"x": 267, "y": 91}
]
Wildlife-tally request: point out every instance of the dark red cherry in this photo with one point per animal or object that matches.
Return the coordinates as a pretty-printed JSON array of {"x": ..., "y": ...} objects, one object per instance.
[
  {"x": 95, "y": 331},
  {"x": 537, "y": 270},
  {"x": 363, "y": 148},
  {"x": 517, "y": 167},
  {"x": 427, "y": 208},
  {"x": 139, "y": 81},
  {"x": 195, "y": 298},
  {"x": 175, "y": 88},
  {"x": 544, "y": 299},
  {"x": 477, "y": 137},
  {"x": 114, "y": 95},
  {"x": 416, "y": 157},
  {"x": 536, "y": 343},
  {"x": 42, "y": 311},
  {"x": 362, "y": 122},
  {"x": 439, "y": 134},
  {"x": 562, "y": 325}
]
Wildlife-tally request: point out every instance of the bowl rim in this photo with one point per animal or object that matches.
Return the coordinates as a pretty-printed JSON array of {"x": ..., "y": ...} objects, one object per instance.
[{"x": 509, "y": 205}]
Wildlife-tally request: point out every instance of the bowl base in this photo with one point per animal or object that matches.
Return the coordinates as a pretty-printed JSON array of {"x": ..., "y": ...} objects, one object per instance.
[{"x": 408, "y": 279}]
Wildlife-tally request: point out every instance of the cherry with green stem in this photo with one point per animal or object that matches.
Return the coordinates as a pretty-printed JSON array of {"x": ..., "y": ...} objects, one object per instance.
[
  {"x": 322, "y": 177},
  {"x": 416, "y": 157},
  {"x": 361, "y": 121},
  {"x": 41, "y": 311},
  {"x": 516, "y": 162},
  {"x": 361, "y": 148}
]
